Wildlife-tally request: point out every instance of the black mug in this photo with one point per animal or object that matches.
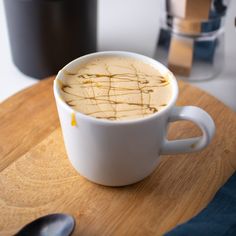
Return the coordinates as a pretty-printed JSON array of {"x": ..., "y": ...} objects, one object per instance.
[{"x": 47, "y": 34}]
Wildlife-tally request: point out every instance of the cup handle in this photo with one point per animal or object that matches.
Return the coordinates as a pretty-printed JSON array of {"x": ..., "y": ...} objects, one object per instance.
[{"x": 198, "y": 116}]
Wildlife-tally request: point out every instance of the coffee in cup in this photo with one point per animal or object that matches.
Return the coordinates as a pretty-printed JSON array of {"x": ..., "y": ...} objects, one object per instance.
[
  {"x": 115, "y": 109},
  {"x": 116, "y": 88}
]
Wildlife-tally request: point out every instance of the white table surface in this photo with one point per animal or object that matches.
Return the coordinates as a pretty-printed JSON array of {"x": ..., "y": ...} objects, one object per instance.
[{"x": 130, "y": 25}]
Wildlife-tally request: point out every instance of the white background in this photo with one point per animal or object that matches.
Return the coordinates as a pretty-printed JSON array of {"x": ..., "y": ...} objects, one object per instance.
[{"x": 130, "y": 25}]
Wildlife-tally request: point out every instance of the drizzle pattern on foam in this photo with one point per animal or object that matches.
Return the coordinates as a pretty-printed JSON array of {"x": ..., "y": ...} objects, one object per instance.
[{"x": 105, "y": 92}]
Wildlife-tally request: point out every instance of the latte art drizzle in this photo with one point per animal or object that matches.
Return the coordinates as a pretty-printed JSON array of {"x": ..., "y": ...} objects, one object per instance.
[{"x": 113, "y": 96}]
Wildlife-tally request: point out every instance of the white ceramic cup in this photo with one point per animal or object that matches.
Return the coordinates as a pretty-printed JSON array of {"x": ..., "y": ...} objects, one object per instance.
[{"x": 117, "y": 153}]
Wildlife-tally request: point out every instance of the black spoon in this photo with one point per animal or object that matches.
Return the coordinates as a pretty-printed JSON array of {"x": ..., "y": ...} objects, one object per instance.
[{"x": 54, "y": 224}]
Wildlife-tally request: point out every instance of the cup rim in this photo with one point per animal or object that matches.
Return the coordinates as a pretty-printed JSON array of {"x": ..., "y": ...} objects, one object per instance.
[{"x": 163, "y": 70}]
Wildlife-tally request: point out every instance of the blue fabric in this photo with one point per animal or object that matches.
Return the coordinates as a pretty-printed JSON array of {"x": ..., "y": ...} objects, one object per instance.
[{"x": 217, "y": 219}]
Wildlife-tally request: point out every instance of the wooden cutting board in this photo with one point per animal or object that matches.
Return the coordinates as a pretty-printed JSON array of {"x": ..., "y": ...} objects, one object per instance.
[{"x": 36, "y": 177}]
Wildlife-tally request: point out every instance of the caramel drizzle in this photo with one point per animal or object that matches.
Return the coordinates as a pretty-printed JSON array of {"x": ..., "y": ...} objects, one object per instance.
[
  {"x": 73, "y": 119},
  {"x": 109, "y": 90},
  {"x": 97, "y": 81},
  {"x": 140, "y": 88}
]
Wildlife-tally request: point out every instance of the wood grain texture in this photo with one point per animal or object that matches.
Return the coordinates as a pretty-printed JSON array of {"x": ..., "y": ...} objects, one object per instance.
[
  {"x": 36, "y": 177},
  {"x": 23, "y": 121}
]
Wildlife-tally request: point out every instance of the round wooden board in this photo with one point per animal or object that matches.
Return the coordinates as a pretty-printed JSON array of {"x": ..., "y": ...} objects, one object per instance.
[{"x": 36, "y": 177}]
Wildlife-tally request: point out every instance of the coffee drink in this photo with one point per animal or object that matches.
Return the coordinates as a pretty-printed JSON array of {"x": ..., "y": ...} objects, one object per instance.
[
  {"x": 125, "y": 103},
  {"x": 115, "y": 88}
]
